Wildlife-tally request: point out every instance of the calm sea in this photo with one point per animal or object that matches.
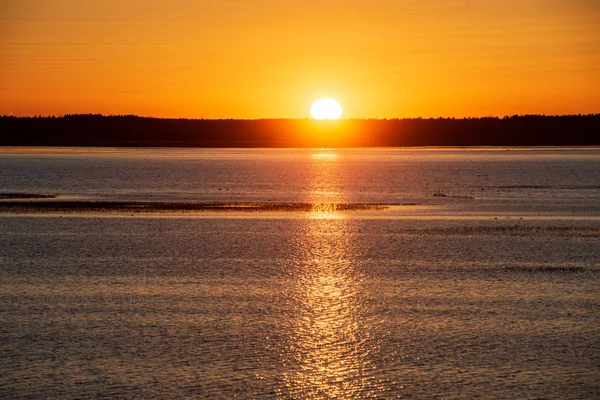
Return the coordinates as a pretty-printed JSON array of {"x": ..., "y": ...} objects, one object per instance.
[{"x": 482, "y": 280}]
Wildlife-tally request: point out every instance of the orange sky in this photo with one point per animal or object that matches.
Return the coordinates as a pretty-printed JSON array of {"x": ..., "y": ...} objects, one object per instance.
[{"x": 272, "y": 58}]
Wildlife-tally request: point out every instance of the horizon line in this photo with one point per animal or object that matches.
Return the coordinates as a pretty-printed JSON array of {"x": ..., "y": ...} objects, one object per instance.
[{"x": 296, "y": 119}]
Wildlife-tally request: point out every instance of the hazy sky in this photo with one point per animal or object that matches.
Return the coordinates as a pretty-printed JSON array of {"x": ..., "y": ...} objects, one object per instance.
[{"x": 272, "y": 58}]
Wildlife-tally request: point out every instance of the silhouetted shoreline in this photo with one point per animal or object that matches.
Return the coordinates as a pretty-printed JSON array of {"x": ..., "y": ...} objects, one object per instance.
[{"x": 133, "y": 131}]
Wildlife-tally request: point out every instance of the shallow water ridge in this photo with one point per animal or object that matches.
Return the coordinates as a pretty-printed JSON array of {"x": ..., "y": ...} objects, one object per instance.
[{"x": 470, "y": 293}]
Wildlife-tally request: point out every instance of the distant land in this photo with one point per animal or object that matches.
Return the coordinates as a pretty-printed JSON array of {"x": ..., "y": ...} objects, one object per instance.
[{"x": 133, "y": 131}]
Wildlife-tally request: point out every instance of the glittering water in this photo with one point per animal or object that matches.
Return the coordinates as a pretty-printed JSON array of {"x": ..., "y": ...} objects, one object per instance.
[{"x": 492, "y": 297}]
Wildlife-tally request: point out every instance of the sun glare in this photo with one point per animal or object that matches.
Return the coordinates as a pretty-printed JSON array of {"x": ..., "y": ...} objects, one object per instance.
[{"x": 326, "y": 109}]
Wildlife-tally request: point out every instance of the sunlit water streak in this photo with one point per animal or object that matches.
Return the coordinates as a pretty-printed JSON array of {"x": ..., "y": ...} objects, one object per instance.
[
  {"x": 329, "y": 331},
  {"x": 330, "y": 341}
]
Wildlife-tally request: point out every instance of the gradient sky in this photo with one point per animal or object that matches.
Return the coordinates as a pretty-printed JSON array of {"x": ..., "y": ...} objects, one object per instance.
[{"x": 272, "y": 58}]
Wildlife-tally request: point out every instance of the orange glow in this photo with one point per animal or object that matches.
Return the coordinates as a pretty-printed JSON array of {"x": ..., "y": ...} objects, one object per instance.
[{"x": 272, "y": 58}]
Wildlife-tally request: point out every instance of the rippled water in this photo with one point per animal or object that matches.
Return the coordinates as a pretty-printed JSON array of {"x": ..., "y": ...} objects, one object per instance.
[{"x": 491, "y": 297}]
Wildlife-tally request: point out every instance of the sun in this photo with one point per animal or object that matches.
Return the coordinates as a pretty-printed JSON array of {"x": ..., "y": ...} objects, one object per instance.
[{"x": 326, "y": 109}]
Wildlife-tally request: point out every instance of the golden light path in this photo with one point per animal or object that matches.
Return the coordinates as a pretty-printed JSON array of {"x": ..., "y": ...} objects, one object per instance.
[
  {"x": 325, "y": 155},
  {"x": 330, "y": 341}
]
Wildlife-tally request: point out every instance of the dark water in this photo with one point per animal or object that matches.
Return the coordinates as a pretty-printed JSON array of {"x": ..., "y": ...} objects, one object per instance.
[{"x": 492, "y": 297}]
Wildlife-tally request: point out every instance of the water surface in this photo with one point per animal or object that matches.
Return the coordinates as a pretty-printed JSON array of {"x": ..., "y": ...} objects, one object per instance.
[{"x": 489, "y": 293}]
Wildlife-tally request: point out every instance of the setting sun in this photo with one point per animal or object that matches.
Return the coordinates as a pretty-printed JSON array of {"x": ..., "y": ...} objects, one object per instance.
[{"x": 326, "y": 109}]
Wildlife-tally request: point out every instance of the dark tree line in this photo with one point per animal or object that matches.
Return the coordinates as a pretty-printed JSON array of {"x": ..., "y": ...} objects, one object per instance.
[{"x": 128, "y": 130}]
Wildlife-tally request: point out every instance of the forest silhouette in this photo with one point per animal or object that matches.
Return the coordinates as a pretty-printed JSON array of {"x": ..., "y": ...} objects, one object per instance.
[{"x": 134, "y": 131}]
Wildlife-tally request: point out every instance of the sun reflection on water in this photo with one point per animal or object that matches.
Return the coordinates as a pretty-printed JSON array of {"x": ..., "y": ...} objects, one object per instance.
[
  {"x": 324, "y": 180},
  {"x": 325, "y": 210},
  {"x": 330, "y": 336},
  {"x": 325, "y": 155}
]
